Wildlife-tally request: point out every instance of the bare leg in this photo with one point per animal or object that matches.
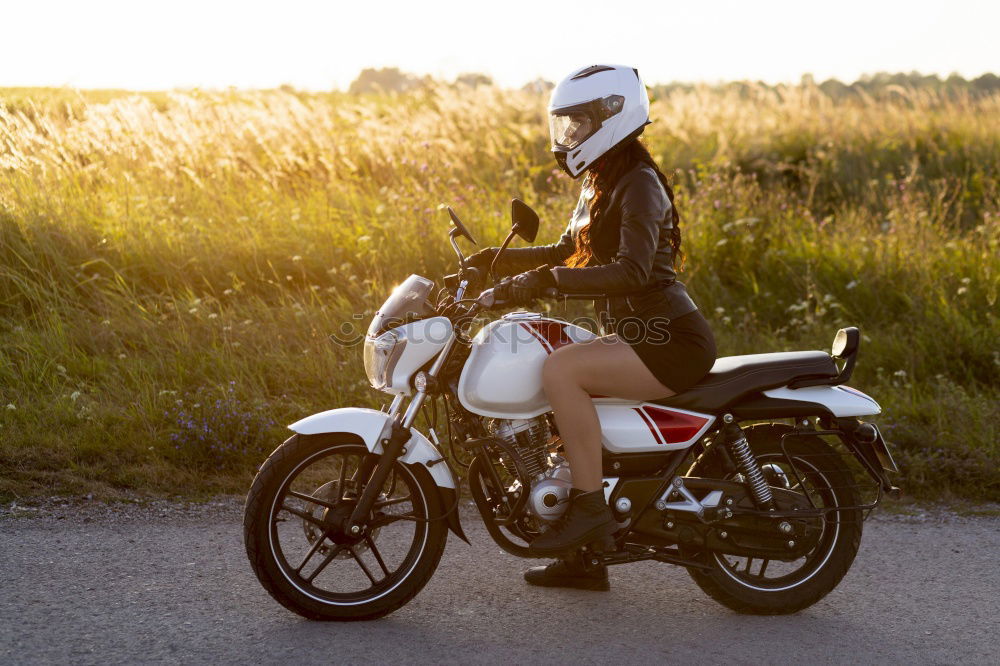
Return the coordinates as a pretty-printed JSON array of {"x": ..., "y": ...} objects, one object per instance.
[{"x": 605, "y": 366}]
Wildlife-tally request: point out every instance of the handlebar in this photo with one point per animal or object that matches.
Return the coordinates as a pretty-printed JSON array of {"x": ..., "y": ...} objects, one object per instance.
[
  {"x": 487, "y": 300},
  {"x": 472, "y": 274}
]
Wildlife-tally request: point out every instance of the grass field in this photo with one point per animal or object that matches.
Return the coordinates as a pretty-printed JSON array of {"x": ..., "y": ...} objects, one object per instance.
[{"x": 171, "y": 265}]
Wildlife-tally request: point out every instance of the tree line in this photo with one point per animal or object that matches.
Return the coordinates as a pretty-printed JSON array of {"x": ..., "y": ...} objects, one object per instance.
[{"x": 392, "y": 79}]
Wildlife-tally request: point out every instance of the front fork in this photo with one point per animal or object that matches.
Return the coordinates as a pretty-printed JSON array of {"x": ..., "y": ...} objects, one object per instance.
[{"x": 393, "y": 446}]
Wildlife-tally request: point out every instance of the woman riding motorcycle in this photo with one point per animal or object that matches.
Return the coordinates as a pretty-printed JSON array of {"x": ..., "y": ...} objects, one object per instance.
[{"x": 621, "y": 246}]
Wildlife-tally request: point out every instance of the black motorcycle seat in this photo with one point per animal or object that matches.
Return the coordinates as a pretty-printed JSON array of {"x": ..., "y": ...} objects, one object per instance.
[{"x": 734, "y": 377}]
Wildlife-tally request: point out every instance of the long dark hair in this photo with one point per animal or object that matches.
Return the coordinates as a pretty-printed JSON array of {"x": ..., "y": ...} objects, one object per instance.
[{"x": 603, "y": 177}]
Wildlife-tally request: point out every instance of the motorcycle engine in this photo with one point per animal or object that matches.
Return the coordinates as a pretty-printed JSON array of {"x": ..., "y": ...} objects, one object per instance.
[
  {"x": 550, "y": 496},
  {"x": 529, "y": 439},
  {"x": 549, "y": 478}
]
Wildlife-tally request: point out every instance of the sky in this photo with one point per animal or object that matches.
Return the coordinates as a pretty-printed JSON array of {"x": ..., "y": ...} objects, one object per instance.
[{"x": 156, "y": 44}]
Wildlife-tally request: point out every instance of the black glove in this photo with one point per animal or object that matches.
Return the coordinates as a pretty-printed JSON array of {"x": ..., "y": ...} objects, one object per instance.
[
  {"x": 482, "y": 259},
  {"x": 527, "y": 286}
]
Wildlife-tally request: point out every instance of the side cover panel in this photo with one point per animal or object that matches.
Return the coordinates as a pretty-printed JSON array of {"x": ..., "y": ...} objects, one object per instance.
[{"x": 643, "y": 427}]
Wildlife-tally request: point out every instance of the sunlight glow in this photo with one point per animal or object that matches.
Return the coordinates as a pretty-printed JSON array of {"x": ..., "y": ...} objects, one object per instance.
[{"x": 320, "y": 45}]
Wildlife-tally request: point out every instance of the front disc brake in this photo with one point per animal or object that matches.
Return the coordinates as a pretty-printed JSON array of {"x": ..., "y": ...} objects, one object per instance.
[{"x": 331, "y": 493}]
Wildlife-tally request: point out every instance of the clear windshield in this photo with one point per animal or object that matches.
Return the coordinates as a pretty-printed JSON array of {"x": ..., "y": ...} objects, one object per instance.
[{"x": 408, "y": 302}]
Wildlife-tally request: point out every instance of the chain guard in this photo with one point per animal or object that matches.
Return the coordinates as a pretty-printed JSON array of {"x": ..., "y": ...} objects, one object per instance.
[{"x": 748, "y": 532}]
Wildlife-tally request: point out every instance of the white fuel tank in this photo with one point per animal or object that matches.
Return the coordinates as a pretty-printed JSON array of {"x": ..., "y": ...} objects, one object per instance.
[{"x": 503, "y": 376}]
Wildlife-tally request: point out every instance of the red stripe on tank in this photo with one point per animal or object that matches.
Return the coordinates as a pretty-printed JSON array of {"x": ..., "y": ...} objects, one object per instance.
[
  {"x": 538, "y": 336},
  {"x": 554, "y": 332}
]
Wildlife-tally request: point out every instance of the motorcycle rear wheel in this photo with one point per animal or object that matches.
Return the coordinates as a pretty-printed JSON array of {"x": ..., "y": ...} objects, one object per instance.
[
  {"x": 828, "y": 478},
  {"x": 308, "y": 564}
]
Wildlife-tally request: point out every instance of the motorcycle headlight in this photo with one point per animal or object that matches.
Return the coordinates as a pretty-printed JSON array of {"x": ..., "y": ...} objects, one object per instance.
[{"x": 381, "y": 354}]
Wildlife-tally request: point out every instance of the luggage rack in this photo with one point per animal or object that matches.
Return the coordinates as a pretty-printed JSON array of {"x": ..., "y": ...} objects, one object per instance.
[{"x": 877, "y": 480}]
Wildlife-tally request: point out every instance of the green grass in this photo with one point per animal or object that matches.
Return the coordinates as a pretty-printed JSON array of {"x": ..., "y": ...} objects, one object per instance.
[{"x": 171, "y": 264}]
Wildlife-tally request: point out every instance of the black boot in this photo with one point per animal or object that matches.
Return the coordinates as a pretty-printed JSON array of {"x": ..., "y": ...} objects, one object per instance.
[
  {"x": 587, "y": 519},
  {"x": 569, "y": 572}
]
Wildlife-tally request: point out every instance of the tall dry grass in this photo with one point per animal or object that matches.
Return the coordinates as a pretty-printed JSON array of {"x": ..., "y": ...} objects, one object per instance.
[{"x": 172, "y": 264}]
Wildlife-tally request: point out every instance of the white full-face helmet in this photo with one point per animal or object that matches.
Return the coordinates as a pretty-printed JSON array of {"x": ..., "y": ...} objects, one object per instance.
[{"x": 593, "y": 110}]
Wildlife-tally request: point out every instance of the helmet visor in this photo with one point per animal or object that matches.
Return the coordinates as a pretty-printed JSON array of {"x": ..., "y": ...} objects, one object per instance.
[
  {"x": 569, "y": 130},
  {"x": 571, "y": 126}
]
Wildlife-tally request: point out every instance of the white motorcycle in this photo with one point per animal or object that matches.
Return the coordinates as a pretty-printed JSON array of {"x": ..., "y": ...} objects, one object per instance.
[{"x": 348, "y": 518}]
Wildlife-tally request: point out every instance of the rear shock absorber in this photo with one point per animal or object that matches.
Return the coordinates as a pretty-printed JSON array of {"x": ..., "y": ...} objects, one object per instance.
[{"x": 747, "y": 464}]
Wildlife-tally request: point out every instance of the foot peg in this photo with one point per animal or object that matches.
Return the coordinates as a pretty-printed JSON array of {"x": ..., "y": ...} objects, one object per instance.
[{"x": 592, "y": 554}]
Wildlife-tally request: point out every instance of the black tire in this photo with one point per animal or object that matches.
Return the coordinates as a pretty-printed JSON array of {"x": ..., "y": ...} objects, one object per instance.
[
  {"x": 289, "y": 585},
  {"x": 831, "y": 558}
]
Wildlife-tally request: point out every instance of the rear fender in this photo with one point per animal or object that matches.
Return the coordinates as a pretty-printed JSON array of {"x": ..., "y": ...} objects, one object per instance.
[
  {"x": 840, "y": 401},
  {"x": 372, "y": 426}
]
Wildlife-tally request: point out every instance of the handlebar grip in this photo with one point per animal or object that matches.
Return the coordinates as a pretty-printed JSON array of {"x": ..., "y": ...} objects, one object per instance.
[
  {"x": 582, "y": 297},
  {"x": 486, "y": 299}
]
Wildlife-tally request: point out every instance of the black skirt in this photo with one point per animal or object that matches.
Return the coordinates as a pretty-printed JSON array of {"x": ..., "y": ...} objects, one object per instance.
[{"x": 679, "y": 352}]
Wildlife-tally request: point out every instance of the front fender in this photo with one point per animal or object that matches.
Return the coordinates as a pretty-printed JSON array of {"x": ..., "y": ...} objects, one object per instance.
[
  {"x": 369, "y": 425},
  {"x": 372, "y": 426}
]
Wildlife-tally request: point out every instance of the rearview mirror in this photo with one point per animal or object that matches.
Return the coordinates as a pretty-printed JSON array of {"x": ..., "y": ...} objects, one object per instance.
[
  {"x": 462, "y": 231},
  {"x": 524, "y": 219}
]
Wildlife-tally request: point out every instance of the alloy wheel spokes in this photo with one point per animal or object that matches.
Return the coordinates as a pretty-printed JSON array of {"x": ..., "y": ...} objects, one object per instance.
[
  {"x": 315, "y": 500},
  {"x": 363, "y": 566},
  {"x": 382, "y": 520},
  {"x": 304, "y": 516},
  {"x": 391, "y": 502},
  {"x": 810, "y": 483},
  {"x": 310, "y": 519},
  {"x": 748, "y": 569},
  {"x": 322, "y": 565},
  {"x": 317, "y": 544},
  {"x": 378, "y": 555}
]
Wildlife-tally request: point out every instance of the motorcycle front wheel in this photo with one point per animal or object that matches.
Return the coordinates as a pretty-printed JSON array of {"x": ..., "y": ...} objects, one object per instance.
[
  {"x": 293, "y": 533},
  {"x": 775, "y": 587}
]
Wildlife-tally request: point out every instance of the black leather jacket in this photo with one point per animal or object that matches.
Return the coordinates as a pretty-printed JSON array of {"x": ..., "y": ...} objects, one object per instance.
[{"x": 633, "y": 262}]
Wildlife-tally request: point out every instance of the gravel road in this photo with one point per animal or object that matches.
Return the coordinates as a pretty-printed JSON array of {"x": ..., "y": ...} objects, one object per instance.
[{"x": 87, "y": 583}]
